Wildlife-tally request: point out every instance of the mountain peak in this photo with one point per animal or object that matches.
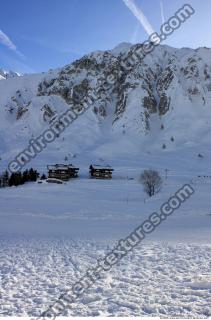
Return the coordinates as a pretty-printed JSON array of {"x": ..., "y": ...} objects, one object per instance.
[
  {"x": 121, "y": 48},
  {"x": 8, "y": 74}
]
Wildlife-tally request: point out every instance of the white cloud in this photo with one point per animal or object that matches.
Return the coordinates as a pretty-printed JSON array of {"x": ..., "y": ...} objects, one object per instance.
[
  {"x": 138, "y": 13},
  {"x": 7, "y": 42}
]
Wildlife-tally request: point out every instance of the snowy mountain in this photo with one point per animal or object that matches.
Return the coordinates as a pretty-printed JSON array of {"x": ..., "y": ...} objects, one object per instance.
[
  {"x": 8, "y": 74},
  {"x": 156, "y": 114},
  {"x": 161, "y": 103}
]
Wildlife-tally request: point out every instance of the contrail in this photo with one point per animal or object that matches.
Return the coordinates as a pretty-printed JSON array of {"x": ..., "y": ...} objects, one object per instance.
[
  {"x": 138, "y": 13},
  {"x": 162, "y": 12},
  {"x": 5, "y": 40}
]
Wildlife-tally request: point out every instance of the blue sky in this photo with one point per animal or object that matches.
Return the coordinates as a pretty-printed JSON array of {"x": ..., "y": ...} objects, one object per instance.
[{"x": 46, "y": 34}]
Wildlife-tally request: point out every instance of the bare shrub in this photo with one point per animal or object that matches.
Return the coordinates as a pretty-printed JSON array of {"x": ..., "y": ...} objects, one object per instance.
[{"x": 151, "y": 181}]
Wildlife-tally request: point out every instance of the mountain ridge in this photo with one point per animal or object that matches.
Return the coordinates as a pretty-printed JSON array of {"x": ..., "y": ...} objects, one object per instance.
[
  {"x": 8, "y": 74},
  {"x": 152, "y": 104}
]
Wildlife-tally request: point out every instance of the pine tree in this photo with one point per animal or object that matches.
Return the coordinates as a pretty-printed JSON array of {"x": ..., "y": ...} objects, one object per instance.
[
  {"x": 16, "y": 179},
  {"x": 25, "y": 176},
  {"x": 5, "y": 179},
  {"x": 33, "y": 175}
]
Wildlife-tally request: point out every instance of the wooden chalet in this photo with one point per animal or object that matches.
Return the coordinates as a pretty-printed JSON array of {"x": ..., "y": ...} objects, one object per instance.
[
  {"x": 62, "y": 171},
  {"x": 100, "y": 172}
]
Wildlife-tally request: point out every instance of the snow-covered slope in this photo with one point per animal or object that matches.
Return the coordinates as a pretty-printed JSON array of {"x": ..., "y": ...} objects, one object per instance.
[{"x": 159, "y": 104}]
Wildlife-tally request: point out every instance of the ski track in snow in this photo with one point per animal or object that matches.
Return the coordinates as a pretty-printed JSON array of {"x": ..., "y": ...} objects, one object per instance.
[
  {"x": 50, "y": 235},
  {"x": 156, "y": 279}
]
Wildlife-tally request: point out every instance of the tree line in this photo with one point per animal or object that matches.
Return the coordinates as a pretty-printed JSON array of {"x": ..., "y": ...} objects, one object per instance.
[
  {"x": 150, "y": 179},
  {"x": 18, "y": 178}
]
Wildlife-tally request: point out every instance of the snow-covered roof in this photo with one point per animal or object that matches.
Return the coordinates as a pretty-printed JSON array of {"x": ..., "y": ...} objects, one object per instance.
[
  {"x": 61, "y": 167},
  {"x": 97, "y": 166}
]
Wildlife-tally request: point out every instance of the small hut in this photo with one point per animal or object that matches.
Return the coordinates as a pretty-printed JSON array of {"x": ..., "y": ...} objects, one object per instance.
[
  {"x": 62, "y": 171},
  {"x": 100, "y": 172}
]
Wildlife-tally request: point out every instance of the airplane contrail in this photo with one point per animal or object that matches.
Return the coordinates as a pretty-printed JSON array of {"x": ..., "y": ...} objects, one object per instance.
[
  {"x": 138, "y": 13},
  {"x": 7, "y": 42}
]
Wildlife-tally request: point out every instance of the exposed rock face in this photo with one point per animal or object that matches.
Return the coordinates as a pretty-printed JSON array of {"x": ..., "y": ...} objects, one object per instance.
[
  {"x": 48, "y": 113},
  {"x": 154, "y": 78},
  {"x": 18, "y": 105},
  {"x": 164, "y": 104},
  {"x": 131, "y": 93}
]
